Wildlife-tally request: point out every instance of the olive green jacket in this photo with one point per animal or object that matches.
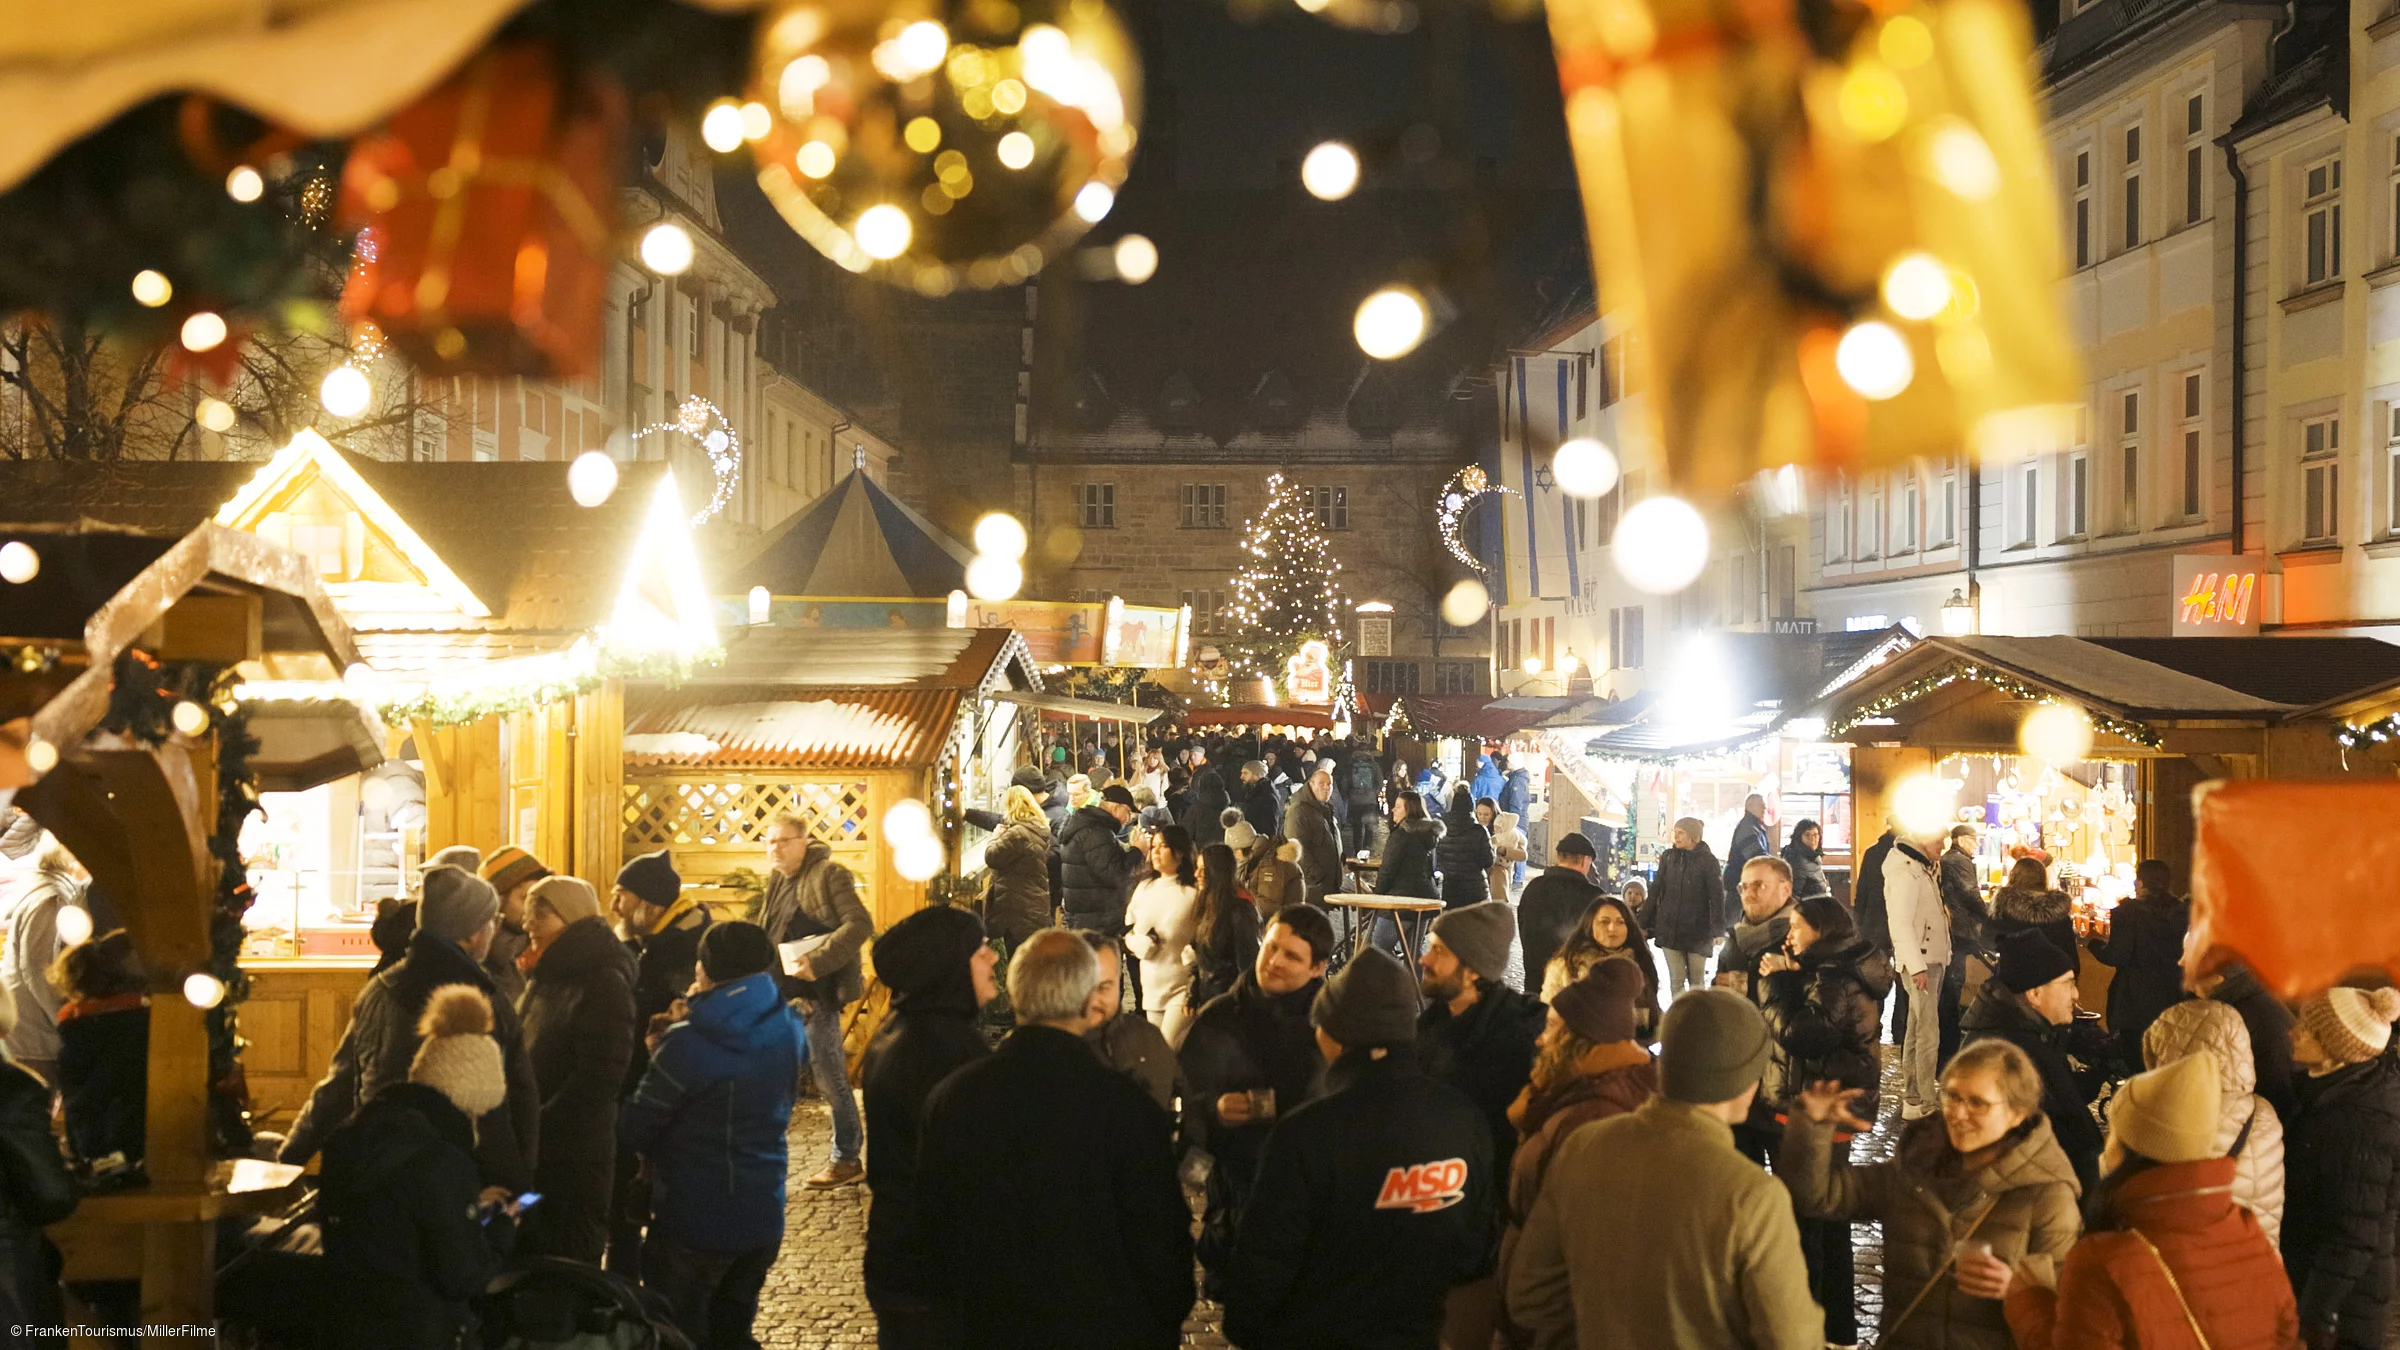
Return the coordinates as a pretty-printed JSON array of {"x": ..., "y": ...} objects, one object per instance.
[{"x": 1719, "y": 1261}]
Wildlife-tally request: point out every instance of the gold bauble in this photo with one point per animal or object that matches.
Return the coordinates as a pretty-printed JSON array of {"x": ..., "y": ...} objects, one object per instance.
[{"x": 945, "y": 143}]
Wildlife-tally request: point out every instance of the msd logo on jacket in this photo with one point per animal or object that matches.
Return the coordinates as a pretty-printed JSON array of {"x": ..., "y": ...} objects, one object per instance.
[{"x": 1424, "y": 1187}]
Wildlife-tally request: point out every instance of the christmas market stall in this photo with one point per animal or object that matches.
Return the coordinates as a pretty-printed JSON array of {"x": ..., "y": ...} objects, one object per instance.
[
  {"x": 143, "y": 709},
  {"x": 495, "y": 617},
  {"x": 839, "y": 733},
  {"x": 2085, "y": 751}
]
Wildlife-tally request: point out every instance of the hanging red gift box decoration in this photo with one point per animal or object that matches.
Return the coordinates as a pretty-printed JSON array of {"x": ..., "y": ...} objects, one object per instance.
[{"x": 489, "y": 215}]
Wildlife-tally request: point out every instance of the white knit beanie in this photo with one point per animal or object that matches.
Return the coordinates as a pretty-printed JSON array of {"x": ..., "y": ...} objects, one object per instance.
[
  {"x": 2351, "y": 1026},
  {"x": 458, "y": 1057}
]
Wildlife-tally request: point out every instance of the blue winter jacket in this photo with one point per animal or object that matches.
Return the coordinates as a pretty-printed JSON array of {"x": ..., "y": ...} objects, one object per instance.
[
  {"x": 1488, "y": 781},
  {"x": 710, "y": 1113}
]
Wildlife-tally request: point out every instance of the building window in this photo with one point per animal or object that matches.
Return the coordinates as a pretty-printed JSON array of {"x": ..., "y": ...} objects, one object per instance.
[
  {"x": 2323, "y": 223},
  {"x": 2320, "y": 480},
  {"x": 1625, "y": 638},
  {"x": 2192, "y": 466},
  {"x": 1870, "y": 524},
  {"x": 1458, "y": 677},
  {"x": 2029, "y": 498},
  {"x": 1612, "y": 370},
  {"x": 2395, "y": 192},
  {"x": 1908, "y": 511},
  {"x": 1096, "y": 505},
  {"x": 2078, "y": 505},
  {"x": 2391, "y": 466},
  {"x": 1837, "y": 522},
  {"x": 1204, "y": 506},
  {"x": 325, "y": 547},
  {"x": 2195, "y": 161},
  {"x": 1208, "y": 611},
  {"x": 2129, "y": 466},
  {"x": 2083, "y": 208},
  {"x": 1583, "y": 390},
  {"x": 1332, "y": 508},
  {"x": 1945, "y": 526},
  {"x": 2133, "y": 187},
  {"x": 1390, "y": 677}
]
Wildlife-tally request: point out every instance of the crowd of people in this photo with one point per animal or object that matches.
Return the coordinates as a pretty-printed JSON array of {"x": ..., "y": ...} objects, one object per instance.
[{"x": 1457, "y": 1145}]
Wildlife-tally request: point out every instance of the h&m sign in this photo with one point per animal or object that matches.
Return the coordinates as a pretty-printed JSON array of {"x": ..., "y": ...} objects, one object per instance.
[{"x": 2218, "y": 595}]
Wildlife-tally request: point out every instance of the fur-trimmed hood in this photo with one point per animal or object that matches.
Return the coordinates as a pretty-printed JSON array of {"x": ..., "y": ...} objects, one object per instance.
[{"x": 2022, "y": 906}]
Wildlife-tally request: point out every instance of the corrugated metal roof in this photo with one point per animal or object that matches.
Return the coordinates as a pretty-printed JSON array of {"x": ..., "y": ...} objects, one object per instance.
[
  {"x": 771, "y": 657},
  {"x": 823, "y": 728}
]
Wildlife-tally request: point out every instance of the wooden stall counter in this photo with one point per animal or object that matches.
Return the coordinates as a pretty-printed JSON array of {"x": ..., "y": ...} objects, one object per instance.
[{"x": 295, "y": 1015}]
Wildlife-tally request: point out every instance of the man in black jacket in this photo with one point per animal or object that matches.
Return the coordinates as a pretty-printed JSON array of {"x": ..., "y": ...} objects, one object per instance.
[
  {"x": 2030, "y": 1002},
  {"x": 1045, "y": 1185},
  {"x": 1875, "y": 919},
  {"x": 1552, "y": 902},
  {"x": 1372, "y": 1201},
  {"x": 1251, "y": 1056},
  {"x": 1256, "y": 796},
  {"x": 1750, "y": 840},
  {"x": 1970, "y": 926},
  {"x": 1310, "y": 822},
  {"x": 1096, "y": 869},
  {"x": 1476, "y": 1033},
  {"x": 939, "y": 969},
  {"x": 2270, "y": 1024}
]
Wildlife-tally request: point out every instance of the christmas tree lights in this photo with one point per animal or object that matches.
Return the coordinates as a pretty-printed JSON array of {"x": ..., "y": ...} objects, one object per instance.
[{"x": 1289, "y": 590}]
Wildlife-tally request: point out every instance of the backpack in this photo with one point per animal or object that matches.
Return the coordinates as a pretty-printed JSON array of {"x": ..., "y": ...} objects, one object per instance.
[{"x": 1362, "y": 776}]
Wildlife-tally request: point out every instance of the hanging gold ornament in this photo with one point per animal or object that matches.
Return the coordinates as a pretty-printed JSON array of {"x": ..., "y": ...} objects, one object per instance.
[
  {"x": 945, "y": 143},
  {"x": 1829, "y": 228}
]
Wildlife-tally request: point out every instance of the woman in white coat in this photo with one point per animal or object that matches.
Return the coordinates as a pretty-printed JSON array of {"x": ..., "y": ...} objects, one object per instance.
[
  {"x": 2247, "y": 1127},
  {"x": 1160, "y": 922},
  {"x": 1508, "y": 844}
]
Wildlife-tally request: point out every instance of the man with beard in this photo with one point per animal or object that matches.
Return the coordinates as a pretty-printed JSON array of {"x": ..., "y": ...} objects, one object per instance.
[
  {"x": 1476, "y": 1033},
  {"x": 1251, "y": 1056}
]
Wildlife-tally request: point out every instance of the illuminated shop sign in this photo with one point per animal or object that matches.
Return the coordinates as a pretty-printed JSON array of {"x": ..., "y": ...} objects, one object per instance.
[{"x": 2217, "y": 596}]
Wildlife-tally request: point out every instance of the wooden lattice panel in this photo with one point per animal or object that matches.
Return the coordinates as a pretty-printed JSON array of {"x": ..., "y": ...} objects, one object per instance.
[{"x": 691, "y": 813}]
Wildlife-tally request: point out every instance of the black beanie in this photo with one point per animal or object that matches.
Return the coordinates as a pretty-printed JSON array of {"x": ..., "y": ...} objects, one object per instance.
[
  {"x": 652, "y": 879},
  {"x": 733, "y": 949},
  {"x": 1372, "y": 1002},
  {"x": 2029, "y": 960}
]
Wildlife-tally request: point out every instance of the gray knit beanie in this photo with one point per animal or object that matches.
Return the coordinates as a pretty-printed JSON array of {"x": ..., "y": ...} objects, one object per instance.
[
  {"x": 1479, "y": 935},
  {"x": 1714, "y": 1044},
  {"x": 455, "y": 903},
  {"x": 1373, "y": 1002}
]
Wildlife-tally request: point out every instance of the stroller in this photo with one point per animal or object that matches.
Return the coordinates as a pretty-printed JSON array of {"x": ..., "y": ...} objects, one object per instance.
[{"x": 551, "y": 1303}]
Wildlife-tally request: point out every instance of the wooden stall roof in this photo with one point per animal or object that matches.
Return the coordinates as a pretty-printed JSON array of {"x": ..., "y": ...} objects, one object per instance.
[
  {"x": 1087, "y": 709},
  {"x": 816, "y": 729},
  {"x": 1473, "y": 715},
  {"x": 792, "y": 698},
  {"x": 2151, "y": 681},
  {"x": 509, "y": 532}
]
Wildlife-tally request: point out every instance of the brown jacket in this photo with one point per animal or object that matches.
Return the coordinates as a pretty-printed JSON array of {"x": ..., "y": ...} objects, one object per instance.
[
  {"x": 823, "y": 893},
  {"x": 1608, "y": 1080},
  {"x": 2022, "y": 1202},
  {"x": 1272, "y": 876},
  {"x": 1651, "y": 1231}
]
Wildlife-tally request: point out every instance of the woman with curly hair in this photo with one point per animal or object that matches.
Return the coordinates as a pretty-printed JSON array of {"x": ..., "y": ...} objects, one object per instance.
[
  {"x": 1017, "y": 903},
  {"x": 1607, "y": 931}
]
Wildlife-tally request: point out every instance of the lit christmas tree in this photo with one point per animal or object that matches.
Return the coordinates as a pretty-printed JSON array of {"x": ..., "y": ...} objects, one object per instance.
[{"x": 1288, "y": 591}]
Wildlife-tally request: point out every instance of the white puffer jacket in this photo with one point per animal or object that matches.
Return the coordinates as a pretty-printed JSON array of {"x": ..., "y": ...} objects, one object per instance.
[
  {"x": 1508, "y": 849},
  {"x": 2202, "y": 1024}
]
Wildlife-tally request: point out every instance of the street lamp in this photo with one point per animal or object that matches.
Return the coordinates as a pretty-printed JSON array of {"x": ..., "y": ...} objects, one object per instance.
[{"x": 1958, "y": 614}]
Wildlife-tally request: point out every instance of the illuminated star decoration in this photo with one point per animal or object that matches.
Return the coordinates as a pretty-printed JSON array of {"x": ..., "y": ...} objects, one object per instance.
[
  {"x": 1466, "y": 487},
  {"x": 705, "y": 423}
]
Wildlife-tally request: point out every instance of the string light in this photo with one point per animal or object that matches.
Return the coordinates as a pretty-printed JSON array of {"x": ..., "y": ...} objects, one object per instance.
[
  {"x": 1289, "y": 590},
  {"x": 1884, "y": 703},
  {"x": 1459, "y": 495},
  {"x": 706, "y": 423}
]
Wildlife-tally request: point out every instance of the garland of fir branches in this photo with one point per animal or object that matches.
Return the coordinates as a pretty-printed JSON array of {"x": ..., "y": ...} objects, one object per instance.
[
  {"x": 141, "y": 703},
  {"x": 2005, "y": 683}
]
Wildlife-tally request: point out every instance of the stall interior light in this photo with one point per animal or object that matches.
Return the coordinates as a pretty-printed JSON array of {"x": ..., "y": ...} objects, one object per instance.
[{"x": 1376, "y": 607}]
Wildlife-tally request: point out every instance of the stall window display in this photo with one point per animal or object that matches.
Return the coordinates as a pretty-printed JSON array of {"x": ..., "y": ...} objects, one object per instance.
[
  {"x": 321, "y": 860},
  {"x": 2077, "y": 817}
]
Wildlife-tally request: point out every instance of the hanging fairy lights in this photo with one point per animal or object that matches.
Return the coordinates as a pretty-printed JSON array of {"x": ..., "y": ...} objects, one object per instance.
[
  {"x": 1903, "y": 695},
  {"x": 706, "y": 424}
]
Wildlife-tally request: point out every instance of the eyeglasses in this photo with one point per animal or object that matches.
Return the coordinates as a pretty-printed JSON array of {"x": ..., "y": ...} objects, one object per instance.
[
  {"x": 1973, "y": 1106},
  {"x": 1758, "y": 885}
]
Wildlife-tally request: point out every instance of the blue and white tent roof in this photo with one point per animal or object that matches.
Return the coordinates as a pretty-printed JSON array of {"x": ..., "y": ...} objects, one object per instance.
[{"x": 857, "y": 541}]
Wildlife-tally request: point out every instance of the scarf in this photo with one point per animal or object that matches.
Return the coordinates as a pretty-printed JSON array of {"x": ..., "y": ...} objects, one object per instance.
[{"x": 1751, "y": 938}]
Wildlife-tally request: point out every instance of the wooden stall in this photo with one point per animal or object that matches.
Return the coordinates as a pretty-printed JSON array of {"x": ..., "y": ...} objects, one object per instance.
[
  {"x": 134, "y": 794},
  {"x": 834, "y": 728}
]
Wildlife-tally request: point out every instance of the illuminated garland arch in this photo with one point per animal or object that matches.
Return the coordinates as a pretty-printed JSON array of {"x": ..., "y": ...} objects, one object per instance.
[
  {"x": 1465, "y": 488},
  {"x": 706, "y": 423}
]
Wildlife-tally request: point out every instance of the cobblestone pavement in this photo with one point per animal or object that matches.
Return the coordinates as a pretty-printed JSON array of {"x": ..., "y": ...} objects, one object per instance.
[{"x": 815, "y": 1299}]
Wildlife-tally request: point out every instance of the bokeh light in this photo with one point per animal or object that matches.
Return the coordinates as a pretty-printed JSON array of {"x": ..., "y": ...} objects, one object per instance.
[
  {"x": 1330, "y": 172},
  {"x": 1390, "y": 323},
  {"x": 1584, "y": 468},
  {"x": 1661, "y": 545}
]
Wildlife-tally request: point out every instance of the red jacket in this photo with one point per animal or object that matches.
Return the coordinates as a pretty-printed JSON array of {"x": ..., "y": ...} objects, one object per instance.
[{"x": 2111, "y": 1292}]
